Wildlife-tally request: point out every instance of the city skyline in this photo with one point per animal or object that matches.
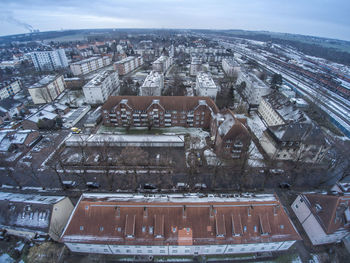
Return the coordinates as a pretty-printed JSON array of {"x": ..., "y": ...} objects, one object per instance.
[{"x": 317, "y": 18}]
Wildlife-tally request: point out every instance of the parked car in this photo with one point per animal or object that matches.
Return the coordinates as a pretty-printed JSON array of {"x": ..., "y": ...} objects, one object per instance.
[
  {"x": 182, "y": 185},
  {"x": 200, "y": 186},
  {"x": 69, "y": 184},
  {"x": 284, "y": 185},
  {"x": 148, "y": 188},
  {"x": 94, "y": 185}
]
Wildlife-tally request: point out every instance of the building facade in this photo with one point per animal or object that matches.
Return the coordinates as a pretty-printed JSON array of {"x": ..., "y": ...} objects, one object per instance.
[
  {"x": 34, "y": 215},
  {"x": 205, "y": 85},
  {"x": 47, "y": 89},
  {"x": 253, "y": 88},
  {"x": 231, "y": 137},
  {"x": 127, "y": 65},
  {"x": 196, "y": 66},
  {"x": 230, "y": 67},
  {"x": 162, "y": 64},
  {"x": 9, "y": 88},
  {"x": 103, "y": 85},
  {"x": 276, "y": 109},
  {"x": 49, "y": 60},
  {"x": 303, "y": 142},
  {"x": 178, "y": 225},
  {"x": 89, "y": 65},
  {"x": 164, "y": 111},
  {"x": 325, "y": 218},
  {"x": 153, "y": 84}
]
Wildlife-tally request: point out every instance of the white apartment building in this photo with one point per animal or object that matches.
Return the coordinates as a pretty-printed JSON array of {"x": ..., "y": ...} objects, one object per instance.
[
  {"x": 89, "y": 65},
  {"x": 276, "y": 109},
  {"x": 47, "y": 89},
  {"x": 103, "y": 85},
  {"x": 325, "y": 218},
  {"x": 178, "y": 224},
  {"x": 162, "y": 64},
  {"x": 230, "y": 67},
  {"x": 128, "y": 64},
  {"x": 153, "y": 84},
  {"x": 49, "y": 60},
  {"x": 9, "y": 88},
  {"x": 254, "y": 88},
  {"x": 196, "y": 66},
  {"x": 205, "y": 85}
]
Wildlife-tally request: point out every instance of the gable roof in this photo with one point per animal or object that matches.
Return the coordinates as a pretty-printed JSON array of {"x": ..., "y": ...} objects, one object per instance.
[
  {"x": 307, "y": 133},
  {"x": 27, "y": 212},
  {"x": 329, "y": 210},
  {"x": 178, "y": 219},
  {"x": 178, "y": 103}
]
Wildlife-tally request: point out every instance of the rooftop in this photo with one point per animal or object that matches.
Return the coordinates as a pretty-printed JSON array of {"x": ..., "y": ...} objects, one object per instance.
[
  {"x": 153, "y": 79},
  {"x": 179, "y": 219},
  {"x": 286, "y": 109},
  {"x": 85, "y": 60},
  {"x": 205, "y": 80},
  {"x": 44, "y": 81},
  {"x": 332, "y": 212},
  {"x": 179, "y": 103},
  {"x": 99, "y": 79},
  {"x": 125, "y": 60}
]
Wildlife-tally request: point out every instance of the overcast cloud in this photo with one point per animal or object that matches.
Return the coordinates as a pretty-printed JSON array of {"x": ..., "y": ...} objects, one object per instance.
[{"x": 327, "y": 18}]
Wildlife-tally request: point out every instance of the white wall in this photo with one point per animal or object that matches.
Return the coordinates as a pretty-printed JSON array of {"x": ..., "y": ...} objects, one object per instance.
[
  {"x": 312, "y": 226},
  {"x": 180, "y": 250}
]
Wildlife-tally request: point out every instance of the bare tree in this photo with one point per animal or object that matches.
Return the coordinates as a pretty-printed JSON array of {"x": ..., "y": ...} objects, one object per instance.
[
  {"x": 136, "y": 158},
  {"x": 43, "y": 94}
]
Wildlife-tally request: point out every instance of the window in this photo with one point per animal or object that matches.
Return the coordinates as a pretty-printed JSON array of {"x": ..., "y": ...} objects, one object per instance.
[
  {"x": 81, "y": 228},
  {"x": 101, "y": 228}
]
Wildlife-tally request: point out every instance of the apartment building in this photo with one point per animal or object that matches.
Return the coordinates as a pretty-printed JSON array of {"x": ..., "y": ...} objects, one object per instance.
[
  {"x": 230, "y": 67},
  {"x": 325, "y": 218},
  {"x": 175, "y": 224},
  {"x": 231, "y": 137},
  {"x": 253, "y": 89},
  {"x": 29, "y": 216},
  {"x": 276, "y": 109},
  {"x": 127, "y": 65},
  {"x": 89, "y": 65},
  {"x": 9, "y": 88},
  {"x": 153, "y": 84},
  {"x": 196, "y": 66},
  {"x": 205, "y": 85},
  {"x": 103, "y": 85},
  {"x": 303, "y": 142},
  {"x": 154, "y": 111},
  {"x": 162, "y": 64},
  {"x": 47, "y": 89},
  {"x": 49, "y": 60}
]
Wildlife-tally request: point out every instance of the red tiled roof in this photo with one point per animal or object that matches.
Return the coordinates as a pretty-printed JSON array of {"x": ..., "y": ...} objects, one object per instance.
[
  {"x": 179, "y": 103},
  {"x": 331, "y": 210},
  {"x": 165, "y": 222}
]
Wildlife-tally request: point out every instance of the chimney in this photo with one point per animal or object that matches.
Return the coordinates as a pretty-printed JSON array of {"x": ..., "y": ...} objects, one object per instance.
[
  {"x": 117, "y": 211},
  {"x": 211, "y": 211}
]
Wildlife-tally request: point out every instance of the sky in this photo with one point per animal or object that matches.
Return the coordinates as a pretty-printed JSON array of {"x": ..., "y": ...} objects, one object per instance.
[{"x": 325, "y": 18}]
